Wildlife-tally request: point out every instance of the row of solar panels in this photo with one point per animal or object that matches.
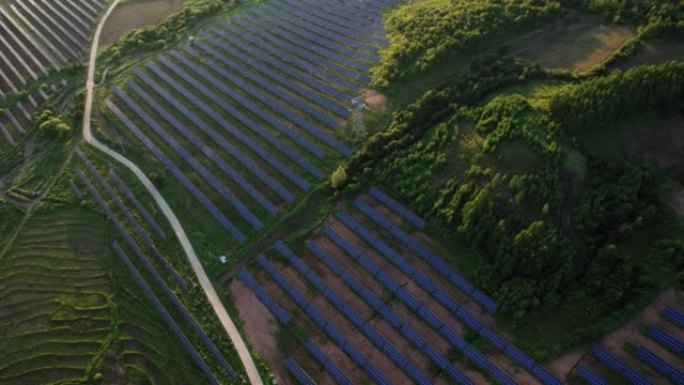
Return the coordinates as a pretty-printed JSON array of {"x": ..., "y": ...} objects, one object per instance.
[
  {"x": 448, "y": 301},
  {"x": 232, "y": 150},
  {"x": 657, "y": 334},
  {"x": 660, "y": 365},
  {"x": 667, "y": 340},
  {"x": 433, "y": 260},
  {"x": 168, "y": 319},
  {"x": 411, "y": 335},
  {"x": 220, "y": 188},
  {"x": 355, "y": 318},
  {"x": 298, "y": 373},
  {"x": 178, "y": 305},
  {"x": 402, "y": 211},
  {"x": 426, "y": 315},
  {"x": 357, "y": 55},
  {"x": 332, "y": 23},
  {"x": 136, "y": 203},
  {"x": 266, "y": 84},
  {"x": 332, "y": 72},
  {"x": 618, "y": 366},
  {"x": 177, "y": 173},
  {"x": 131, "y": 219},
  {"x": 252, "y": 125},
  {"x": 327, "y": 18},
  {"x": 272, "y": 103},
  {"x": 39, "y": 35},
  {"x": 248, "y": 104},
  {"x": 319, "y": 319},
  {"x": 235, "y": 48},
  {"x": 260, "y": 47},
  {"x": 673, "y": 316},
  {"x": 187, "y": 345}
]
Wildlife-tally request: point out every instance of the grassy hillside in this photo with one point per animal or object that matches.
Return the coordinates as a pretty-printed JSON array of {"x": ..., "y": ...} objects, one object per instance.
[
  {"x": 427, "y": 32},
  {"x": 67, "y": 318}
]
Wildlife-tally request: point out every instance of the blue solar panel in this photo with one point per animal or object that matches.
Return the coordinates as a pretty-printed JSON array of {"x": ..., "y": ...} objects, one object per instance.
[
  {"x": 298, "y": 373},
  {"x": 433, "y": 260},
  {"x": 519, "y": 357},
  {"x": 207, "y": 175},
  {"x": 234, "y": 131},
  {"x": 589, "y": 376},
  {"x": 673, "y": 316},
  {"x": 178, "y": 174},
  {"x": 619, "y": 367},
  {"x": 211, "y": 154},
  {"x": 659, "y": 335}
]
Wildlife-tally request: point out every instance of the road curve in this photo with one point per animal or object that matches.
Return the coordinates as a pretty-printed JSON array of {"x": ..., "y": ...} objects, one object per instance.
[{"x": 205, "y": 282}]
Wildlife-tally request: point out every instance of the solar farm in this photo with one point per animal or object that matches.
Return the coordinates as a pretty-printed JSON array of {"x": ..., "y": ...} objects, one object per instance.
[
  {"x": 249, "y": 115},
  {"x": 350, "y": 192}
]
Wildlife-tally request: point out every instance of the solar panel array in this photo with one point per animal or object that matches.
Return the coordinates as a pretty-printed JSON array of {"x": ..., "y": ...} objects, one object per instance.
[
  {"x": 375, "y": 299},
  {"x": 660, "y": 365},
  {"x": 246, "y": 116},
  {"x": 398, "y": 208},
  {"x": 38, "y": 36},
  {"x": 319, "y": 319},
  {"x": 657, "y": 356},
  {"x": 152, "y": 271},
  {"x": 589, "y": 376},
  {"x": 298, "y": 373},
  {"x": 666, "y": 339},
  {"x": 433, "y": 260},
  {"x": 168, "y": 319},
  {"x": 673, "y": 316},
  {"x": 618, "y": 366}
]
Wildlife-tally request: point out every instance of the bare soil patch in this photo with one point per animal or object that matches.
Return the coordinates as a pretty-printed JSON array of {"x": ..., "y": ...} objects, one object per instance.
[
  {"x": 137, "y": 14},
  {"x": 259, "y": 324},
  {"x": 576, "y": 46},
  {"x": 660, "y": 146},
  {"x": 375, "y": 100}
]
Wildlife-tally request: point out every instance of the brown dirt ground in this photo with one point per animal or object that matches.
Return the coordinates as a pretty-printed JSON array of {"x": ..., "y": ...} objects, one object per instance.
[
  {"x": 127, "y": 17},
  {"x": 259, "y": 324},
  {"x": 660, "y": 146},
  {"x": 375, "y": 100},
  {"x": 631, "y": 333}
]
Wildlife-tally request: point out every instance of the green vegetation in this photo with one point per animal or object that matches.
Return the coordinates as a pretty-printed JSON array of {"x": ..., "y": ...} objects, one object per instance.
[
  {"x": 598, "y": 102},
  {"x": 425, "y": 33},
  {"x": 553, "y": 224},
  {"x": 165, "y": 34},
  {"x": 658, "y": 18},
  {"x": 79, "y": 323}
]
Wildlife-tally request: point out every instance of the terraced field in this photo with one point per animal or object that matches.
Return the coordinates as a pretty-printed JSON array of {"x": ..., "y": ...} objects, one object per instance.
[
  {"x": 252, "y": 114},
  {"x": 65, "y": 318}
]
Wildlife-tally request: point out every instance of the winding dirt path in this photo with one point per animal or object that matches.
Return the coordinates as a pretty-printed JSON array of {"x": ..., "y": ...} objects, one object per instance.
[{"x": 205, "y": 282}]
